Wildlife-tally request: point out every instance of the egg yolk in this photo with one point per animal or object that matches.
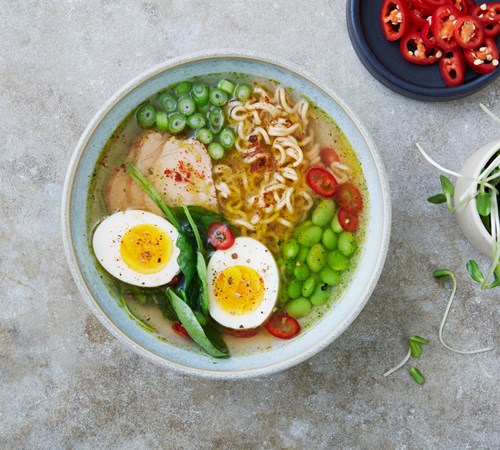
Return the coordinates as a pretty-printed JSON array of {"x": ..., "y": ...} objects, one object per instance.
[
  {"x": 146, "y": 248},
  {"x": 239, "y": 290}
]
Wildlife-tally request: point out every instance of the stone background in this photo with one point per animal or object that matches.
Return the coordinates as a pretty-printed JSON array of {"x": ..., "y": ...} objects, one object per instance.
[{"x": 65, "y": 382}]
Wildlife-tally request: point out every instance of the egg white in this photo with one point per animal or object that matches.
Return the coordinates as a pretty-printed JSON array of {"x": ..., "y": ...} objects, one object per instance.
[
  {"x": 106, "y": 243},
  {"x": 250, "y": 253}
]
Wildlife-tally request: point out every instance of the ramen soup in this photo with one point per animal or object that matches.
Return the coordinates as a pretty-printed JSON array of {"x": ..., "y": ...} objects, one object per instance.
[{"x": 227, "y": 213}]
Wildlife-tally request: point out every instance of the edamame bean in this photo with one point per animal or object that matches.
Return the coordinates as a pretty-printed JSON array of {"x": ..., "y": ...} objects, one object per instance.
[
  {"x": 337, "y": 261},
  {"x": 302, "y": 255},
  {"x": 310, "y": 236},
  {"x": 316, "y": 258},
  {"x": 288, "y": 266},
  {"x": 298, "y": 307},
  {"x": 308, "y": 287},
  {"x": 294, "y": 289},
  {"x": 346, "y": 243},
  {"x": 290, "y": 249},
  {"x": 329, "y": 276},
  {"x": 321, "y": 294},
  {"x": 301, "y": 228},
  {"x": 283, "y": 296},
  {"x": 329, "y": 239},
  {"x": 323, "y": 213},
  {"x": 301, "y": 272},
  {"x": 335, "y": 225}
]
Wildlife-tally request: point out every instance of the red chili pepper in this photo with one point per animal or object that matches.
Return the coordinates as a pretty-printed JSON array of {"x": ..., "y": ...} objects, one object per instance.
[
  {"x": 491, "y": 30},
  {"x": 427, "y": 36},
  {"x": 443, "y": 24},
  {"x": 418, "y": 19},
  {"x": 349, "y": 197},
  {"x": 468, "y": 32},
  {"x": 349, "y": 221},
  {"x": 321, "y": 181},
  {"x": 394, "y": 19},
  {"x": 328, "y": 156},
  {"x": 487, "y": 12},
  {"x": 282, "y": 326},
  {"x": 464, "y": 6},
  {"x": 452, "y": 67},
  {"x": 483, "y": 59},
  {"x": 180, "y": 330},
  {"x": 414, "y": 49}
]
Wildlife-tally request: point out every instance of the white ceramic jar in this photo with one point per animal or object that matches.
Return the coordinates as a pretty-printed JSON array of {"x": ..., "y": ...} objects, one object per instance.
[{"x": 467, "y": 215}]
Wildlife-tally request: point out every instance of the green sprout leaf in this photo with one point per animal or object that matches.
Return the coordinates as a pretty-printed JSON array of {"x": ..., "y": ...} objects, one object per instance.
[
  {"x": 417, "y": 375},
  {"x": 442, "y": 273},
  {"x": 437, "y": 199},
  {"x": 447, "y": 186},
  {"x": 419, "y": 340},
  {"x": 416, "y": 349},
  {"x": 474, "y": 271},
  {"x": 483, "y": 204}
]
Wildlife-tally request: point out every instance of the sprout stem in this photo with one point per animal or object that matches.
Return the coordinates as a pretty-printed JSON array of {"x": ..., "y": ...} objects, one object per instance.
[
  {"x": 445, "y": 317},
  {"x": 401, "y": 364},
  {"x": 487, "y": 111}
]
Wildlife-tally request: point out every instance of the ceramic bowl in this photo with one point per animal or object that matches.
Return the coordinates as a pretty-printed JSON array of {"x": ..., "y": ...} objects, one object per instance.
[
  {"x": 285, "y": 353},
  {"x": 467, "y": 216}
]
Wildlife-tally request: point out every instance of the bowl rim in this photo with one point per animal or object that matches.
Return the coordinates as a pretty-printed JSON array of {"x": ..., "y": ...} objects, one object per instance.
[{"x": 94, "y": 123}]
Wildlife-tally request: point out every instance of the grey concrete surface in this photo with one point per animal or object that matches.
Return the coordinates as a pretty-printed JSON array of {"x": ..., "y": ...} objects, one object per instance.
[{"x": 65, "y": 382}]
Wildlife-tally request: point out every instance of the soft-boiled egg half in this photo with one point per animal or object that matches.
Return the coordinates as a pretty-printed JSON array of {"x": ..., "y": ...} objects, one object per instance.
[
  {"x": 243, "y": 284},
  {"x": 137, "y": 247}
]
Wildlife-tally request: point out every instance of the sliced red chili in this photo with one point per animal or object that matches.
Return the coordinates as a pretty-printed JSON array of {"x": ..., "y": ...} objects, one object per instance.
[
  {"x": 483, "y": 59},
  {"x": 328, "y": 156},
  {"x": 487, "y": 12},
  {"x": 418, "y": 19},
  {"x": 394, "y": 19},
  {"x": 245, "y": 333},
  {"x": 220, "y": 236},
  {"x": 422, "y": 6},
  {"x": 349, "y": 221},
  {"x": 414, "y": 49},
  {"x": 452, "y": 67},
  {"x": 468, "y": 32},
  {"x": 443, "y": 24},
  {"x": 180, "y": 330},
  {"x": 321, "y": 181},
  {"x": 464, "y": 6},
  {"x": 491, "y": 30},
  {"x": 427, "y": 36},
  {"x": 433, "y": 4},
  {"x": 282, "y": 326},
  {"x": 349, "y": 197}
]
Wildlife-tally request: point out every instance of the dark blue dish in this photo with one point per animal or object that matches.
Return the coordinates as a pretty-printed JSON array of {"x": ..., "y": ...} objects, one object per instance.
[{"x": 385, "y": 62}]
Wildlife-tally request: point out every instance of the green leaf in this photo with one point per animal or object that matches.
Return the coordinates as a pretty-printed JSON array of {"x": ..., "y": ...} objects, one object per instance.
[
  {"x": 202, "y": 275},
  {"x": 437, "y": 199},
  {"x": 419, "y": 340},
  {"x": 186, "y": 259},
  {"x": 415, "y": 348},
  {"x": 447, "y": 185},
  {"x": 189, "y": 321},
  {"x": 483, "y": 204},
  {"x": 474, "y": 271},
  {"x": 416, "y": 375},
  {"x": 441, "y": 273}
]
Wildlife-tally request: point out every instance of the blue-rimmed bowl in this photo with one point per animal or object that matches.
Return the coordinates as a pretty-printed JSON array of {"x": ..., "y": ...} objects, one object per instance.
[{"x": 114, "y": 317}]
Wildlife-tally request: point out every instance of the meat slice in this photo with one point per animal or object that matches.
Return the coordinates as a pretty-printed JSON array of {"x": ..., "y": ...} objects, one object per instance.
[{"x": 180, "y": 170}]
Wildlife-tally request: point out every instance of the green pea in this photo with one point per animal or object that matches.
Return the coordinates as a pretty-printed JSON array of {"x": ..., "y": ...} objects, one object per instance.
[
  {"x": 329, "y": 276},
  {"x": 301, "y": 228},
  {"x": 321, "y": 294},
  {"x": 302, "y": 255},
  {"x": 301, "y": 272},
  {"x": 298, "y": 307},
  {"x": 308, "y": 287},
  {"x": 337, "y": 261},
  {"x": 347, "y": 243},
  {"x": 316, "y": 258},
  {"x": 290, "y": 249},
  {"x": 335, "y": 225},
  {"x": 329, "y": 239},
  {"x": 310, "y": 236},
  {"x": 323, "y": 213},
  {"x": 294, "y": 289}
]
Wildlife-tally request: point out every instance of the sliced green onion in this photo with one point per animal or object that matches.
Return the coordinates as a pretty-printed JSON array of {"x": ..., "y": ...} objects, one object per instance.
[
  {"x": 167, "y": 102},
  {"x": 243, "y": 92},
  {"x": 146, "y": 116},
  {"x": 217, "y": 96},
  {"x": 215, "y": 120},
  {"x": 204, "y": 109},
  {"x": 186, "y": 105},
  {"x": 226, "y": 86},
  {"x": 416, "y": 375},
  {"x": 227, "y": 138},
  {"x": 204, "y": 135},
  {"x": 176, "y": 123},
  {"x": 183, "y": 89},
  {"x": 216, "y": 151},
  {"x": 196, "y": 121},
  {"x": 162, "y": 120},
  {"x": 199, "y": 92}
]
